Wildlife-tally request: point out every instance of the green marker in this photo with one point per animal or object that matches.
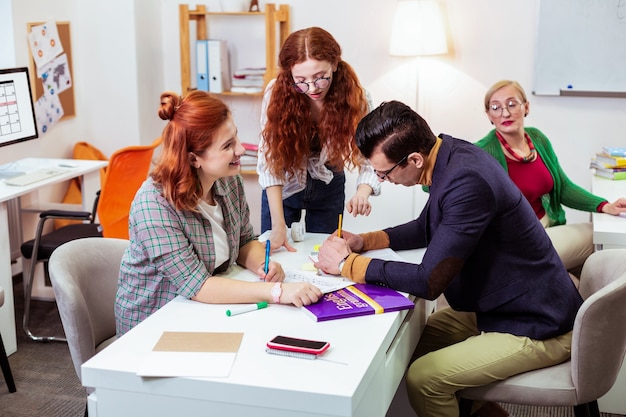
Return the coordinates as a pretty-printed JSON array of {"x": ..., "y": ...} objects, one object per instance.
[{"x": 247, "y": 308}]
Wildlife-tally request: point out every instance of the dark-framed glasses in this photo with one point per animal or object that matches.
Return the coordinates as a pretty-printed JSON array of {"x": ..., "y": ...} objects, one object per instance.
[
  {"x": 320, "y": 83},
  {"x": 383, "y": 175},
  {"x": 512, "y": 106}
]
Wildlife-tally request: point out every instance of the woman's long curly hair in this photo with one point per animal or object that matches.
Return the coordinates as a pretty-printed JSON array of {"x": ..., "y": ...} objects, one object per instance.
[
  {"x": 193, "y": 122},
  {"x": 289, "y": 130}
]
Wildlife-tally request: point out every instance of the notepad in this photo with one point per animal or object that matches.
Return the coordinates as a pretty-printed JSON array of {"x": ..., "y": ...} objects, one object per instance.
[{"x": 192, "y": 354}]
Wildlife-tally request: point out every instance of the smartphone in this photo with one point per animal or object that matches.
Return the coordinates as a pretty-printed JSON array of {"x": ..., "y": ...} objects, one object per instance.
[{"x": 293, "y": 344}]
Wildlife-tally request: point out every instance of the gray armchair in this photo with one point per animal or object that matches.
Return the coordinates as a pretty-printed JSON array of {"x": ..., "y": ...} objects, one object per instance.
[
  {"x": 598, "y": 348},
  {"x": 84, "y": 276},
  {"x": 4, "y": 360}
]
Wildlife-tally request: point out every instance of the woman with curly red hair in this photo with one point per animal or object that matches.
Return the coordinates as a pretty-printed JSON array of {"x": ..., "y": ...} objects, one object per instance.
[{"x": 310, "y": 113}]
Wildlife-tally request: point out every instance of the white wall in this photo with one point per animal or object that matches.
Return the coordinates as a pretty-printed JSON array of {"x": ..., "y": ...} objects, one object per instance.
[
  {"x": 117, "y": 72},
  {"x": 126, "y": 53}
]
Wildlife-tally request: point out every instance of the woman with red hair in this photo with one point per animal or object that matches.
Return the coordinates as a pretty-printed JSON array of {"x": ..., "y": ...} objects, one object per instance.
[
  {"x": 310, "y": 113},
  {"x": 190, "y": 222}
]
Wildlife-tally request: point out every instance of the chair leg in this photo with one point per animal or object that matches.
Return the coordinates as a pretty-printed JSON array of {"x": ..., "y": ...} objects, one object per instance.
[
  {"x": 465, "y": 407},
  {"x": 6, "y": 368},
  {"x": 589, "y": 409},
  {"x": 28, "y": 289}
]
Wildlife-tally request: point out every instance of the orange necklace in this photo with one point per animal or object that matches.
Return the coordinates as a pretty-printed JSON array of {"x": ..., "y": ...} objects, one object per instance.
[{"x": 525, "y": 159}]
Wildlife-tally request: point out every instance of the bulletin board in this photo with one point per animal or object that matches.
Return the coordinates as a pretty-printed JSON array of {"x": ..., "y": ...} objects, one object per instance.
[
  {"x": 66, "y": 97},
  {"x": 581, "y": 49}
]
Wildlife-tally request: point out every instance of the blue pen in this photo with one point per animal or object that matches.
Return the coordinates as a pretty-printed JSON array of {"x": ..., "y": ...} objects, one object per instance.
[{"x": 267, "y": 255}]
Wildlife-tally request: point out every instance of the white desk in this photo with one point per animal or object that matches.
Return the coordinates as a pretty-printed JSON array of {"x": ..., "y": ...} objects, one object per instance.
[
  {"x": 610, "y": 232},
  {"x": 375, "y": 350},
  {"x": 89, "y": 170}
]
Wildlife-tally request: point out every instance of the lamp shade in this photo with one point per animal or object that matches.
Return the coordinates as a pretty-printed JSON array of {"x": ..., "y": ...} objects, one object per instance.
[{"x": 418, "y": 29}]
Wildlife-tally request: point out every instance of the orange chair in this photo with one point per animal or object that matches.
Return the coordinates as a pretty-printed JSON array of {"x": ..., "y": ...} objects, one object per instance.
[
  {"x": 127, "y": 170},
  {"x": 73, "y": 195}
]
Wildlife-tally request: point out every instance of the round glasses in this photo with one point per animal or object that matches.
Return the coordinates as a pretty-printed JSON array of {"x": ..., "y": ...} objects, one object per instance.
[
  {"x": 383, "y": 175},
  {"x": 320, "y": 83},
  {"x": 512, "y": 106}
]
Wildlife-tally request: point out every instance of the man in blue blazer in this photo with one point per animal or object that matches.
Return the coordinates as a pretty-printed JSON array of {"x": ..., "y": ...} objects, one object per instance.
[{"x": 512, "y": 303}]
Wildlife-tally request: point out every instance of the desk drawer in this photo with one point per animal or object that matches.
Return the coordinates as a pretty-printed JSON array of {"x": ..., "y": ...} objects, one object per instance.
[{"x": 400, "y": 351}]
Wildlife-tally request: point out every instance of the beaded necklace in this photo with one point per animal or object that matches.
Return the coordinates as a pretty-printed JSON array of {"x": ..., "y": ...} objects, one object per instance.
[{"x": 532, "y": 155}]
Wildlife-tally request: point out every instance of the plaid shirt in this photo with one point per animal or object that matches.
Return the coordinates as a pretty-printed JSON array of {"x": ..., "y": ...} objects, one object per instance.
[{"x": 172, "y": 252}]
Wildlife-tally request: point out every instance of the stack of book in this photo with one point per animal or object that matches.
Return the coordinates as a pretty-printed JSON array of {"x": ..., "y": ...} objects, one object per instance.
[
  {"x": 249, "y": 157},
  {"x": 248, "y": 80},
  {"x": 610, "y": 163}
]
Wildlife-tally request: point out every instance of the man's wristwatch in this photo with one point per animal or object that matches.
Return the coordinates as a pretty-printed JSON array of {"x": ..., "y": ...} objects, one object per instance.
[
  {"x": 341, "y": 263},
  {"x": 277, "y": 291}
]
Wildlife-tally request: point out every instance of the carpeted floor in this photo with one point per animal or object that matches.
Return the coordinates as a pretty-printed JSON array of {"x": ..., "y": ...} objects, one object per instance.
[{"x": 47, "y": 385}]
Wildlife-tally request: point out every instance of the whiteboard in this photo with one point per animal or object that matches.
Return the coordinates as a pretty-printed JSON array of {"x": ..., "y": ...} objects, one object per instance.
[{"x": 581, "y": 48}]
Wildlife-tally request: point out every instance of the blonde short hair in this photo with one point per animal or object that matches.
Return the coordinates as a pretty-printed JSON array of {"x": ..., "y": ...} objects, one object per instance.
[{"x": 499, "y": 85}]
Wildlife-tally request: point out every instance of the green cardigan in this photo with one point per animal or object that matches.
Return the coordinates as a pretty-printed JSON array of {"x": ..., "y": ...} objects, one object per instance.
[{"x": 564, "y": 190}]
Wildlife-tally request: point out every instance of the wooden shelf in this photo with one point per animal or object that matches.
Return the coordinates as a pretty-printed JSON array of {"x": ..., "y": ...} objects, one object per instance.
[
  {"x": 274, "y": 16},
  {"x": 248, "y": 172}
]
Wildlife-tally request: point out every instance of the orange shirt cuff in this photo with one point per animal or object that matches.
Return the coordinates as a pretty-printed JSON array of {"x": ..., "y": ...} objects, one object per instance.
[{"x": 375, "y": 240}]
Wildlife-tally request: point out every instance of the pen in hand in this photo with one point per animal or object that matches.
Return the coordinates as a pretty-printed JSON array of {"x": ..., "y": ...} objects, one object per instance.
[{"x": 268, "y": 246}]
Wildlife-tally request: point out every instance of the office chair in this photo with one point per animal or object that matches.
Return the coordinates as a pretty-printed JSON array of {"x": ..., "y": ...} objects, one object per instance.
[
  {"x": 4, "y": 360},
  {"x": 598, "y": 348},
  {"x": 84, "y": 276},
  {"x": 124, "y": 175},
  {"x": 127, "y": 170}
]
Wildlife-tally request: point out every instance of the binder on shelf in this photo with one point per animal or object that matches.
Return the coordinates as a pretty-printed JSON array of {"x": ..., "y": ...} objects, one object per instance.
[
  {"x": 219, "y": 66},
  {"x": 202, "y": 65}
]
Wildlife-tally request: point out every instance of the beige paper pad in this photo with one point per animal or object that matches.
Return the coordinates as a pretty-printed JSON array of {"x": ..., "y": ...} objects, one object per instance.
[
  {"x": 198, "y": 342},
  {"x": 192, "y": 354}
]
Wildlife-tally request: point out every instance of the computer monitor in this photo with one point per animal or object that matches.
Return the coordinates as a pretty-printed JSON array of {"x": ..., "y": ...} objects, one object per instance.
[{"x": 17, "y": 112}]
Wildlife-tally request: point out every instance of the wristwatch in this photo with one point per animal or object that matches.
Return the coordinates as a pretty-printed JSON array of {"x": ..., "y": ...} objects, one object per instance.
[
  {"x": 341, "y": 263},
  {"x": 277, "y": 291}
]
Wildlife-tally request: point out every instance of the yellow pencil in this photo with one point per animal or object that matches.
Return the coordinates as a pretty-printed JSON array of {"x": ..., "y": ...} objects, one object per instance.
[{"x": 339, "y": 226}]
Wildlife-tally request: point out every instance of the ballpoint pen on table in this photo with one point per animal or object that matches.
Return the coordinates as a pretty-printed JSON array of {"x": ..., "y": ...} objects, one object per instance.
[
  {"x": 339, "y": 225},
  {"x": 246, "y": 308},
  {"x": 267, "y": 255}
]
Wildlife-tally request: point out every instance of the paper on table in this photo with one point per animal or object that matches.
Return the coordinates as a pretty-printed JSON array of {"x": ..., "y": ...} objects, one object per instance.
[
  {"x": 194, "y": 354},
  {"x": 326, "y": 283},
  {"x": 329, "y": 283}
]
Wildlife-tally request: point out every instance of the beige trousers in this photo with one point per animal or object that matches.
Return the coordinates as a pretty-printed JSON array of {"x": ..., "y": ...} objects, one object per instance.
[
  {"x": 573, "y": 242},
  {"x": 452, "y": 354}
]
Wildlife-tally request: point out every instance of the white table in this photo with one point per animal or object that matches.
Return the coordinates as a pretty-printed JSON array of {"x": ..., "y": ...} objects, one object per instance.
[
  {"x": 610, "y": 232},
  {"x": 88, "y": 170},
  {"x": 373, "y": 352}
]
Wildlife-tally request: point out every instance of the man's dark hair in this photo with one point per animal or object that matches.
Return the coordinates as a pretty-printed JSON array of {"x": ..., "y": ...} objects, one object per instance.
[{"x": 396, "y": 129}]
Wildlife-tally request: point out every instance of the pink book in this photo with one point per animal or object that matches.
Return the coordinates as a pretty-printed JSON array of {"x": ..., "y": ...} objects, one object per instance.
[{"x": 357, "y": 300}]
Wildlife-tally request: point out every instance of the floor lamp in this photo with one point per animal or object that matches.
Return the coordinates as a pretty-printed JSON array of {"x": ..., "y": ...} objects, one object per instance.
[{"x": 418, "y": 30}]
